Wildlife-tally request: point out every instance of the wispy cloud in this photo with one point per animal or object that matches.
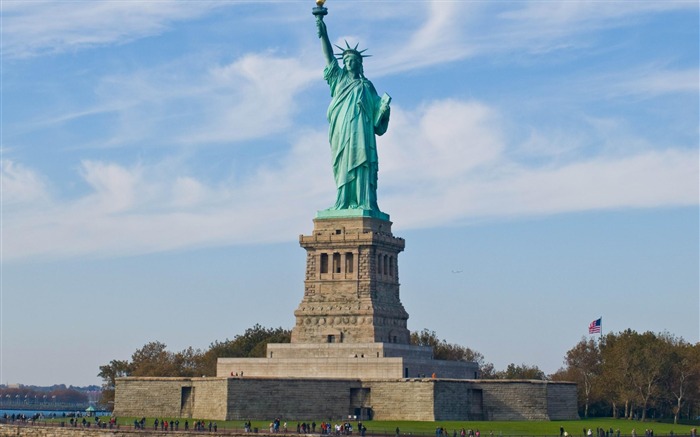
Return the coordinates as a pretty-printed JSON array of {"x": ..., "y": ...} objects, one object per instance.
[
  {"x": 439, "y": 39},
  {"x": 476, "y": 175},
  {"x": 185, "y": 102},
  {"x": 149, "y": 208},
  {"x": 252, "y": 97},
  {"x": 444, "y": 162},
  {"x": 541, "y": 26},
  {"x": 653, "y": 81},
  {"x": 452, "y": 31},
  {"x": 576, "y": 13},
  {"x": 22, "y": 185},
  {"x": 33, "y": 28}
]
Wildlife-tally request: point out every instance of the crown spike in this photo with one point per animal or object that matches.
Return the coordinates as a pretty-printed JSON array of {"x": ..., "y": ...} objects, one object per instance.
[{"x": 350, "y": 50}]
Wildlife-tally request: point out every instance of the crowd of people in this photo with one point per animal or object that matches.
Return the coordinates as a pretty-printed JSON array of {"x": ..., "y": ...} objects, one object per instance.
[
  {"x": 277, "y": 426},
  {"x": 174, "y": 425},
  {"x": 73, "y": 420},
  {"x": 324, "y": 428},
  {"x": 20, "y": 417}
]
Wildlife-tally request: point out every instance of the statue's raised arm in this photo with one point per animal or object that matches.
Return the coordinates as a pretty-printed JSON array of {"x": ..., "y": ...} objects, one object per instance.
[{"x": 325, "y": 41}]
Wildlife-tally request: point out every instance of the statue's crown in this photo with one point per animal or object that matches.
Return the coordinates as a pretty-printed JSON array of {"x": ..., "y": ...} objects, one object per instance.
[{"x": 351, "y": 51}]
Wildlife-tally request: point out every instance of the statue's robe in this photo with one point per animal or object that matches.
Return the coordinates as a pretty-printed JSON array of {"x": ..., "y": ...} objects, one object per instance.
[{"x": 353, "y": 119}]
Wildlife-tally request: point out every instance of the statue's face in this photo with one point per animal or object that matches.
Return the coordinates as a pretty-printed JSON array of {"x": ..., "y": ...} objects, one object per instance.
[{"x": 353, "y": 63}]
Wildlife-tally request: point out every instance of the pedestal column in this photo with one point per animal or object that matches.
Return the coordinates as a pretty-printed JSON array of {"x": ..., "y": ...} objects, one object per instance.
[{"x": 352, "y": 284}]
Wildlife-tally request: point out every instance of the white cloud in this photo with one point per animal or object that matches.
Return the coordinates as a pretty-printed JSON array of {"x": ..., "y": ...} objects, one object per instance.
[
  {"x": 21, "y": 185},
  {"x": 439, "y": 39},
  {"x": 450, "y": 31},
  {"x": 648, "y": 179},
  {"x": 544, "y": 26},
  {"x": 446, "y": 163},
  {"x": 573, "y": 14},
  {"x": 149, "y": 208},
  {"x": 32, "y": 28},
  {"x": 251, "y": 98},
  {"x": 653, "y": 81},
  {"x": 115, "y": 187},
  {"x": 440, "y": 141},
  {"x": 188, "y": 192}
]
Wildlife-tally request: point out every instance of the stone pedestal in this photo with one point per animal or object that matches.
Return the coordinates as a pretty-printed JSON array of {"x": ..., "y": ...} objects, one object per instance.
[
  {"x": 351, "y": 290},
  {"x": 351, "y": 349},
  {"x": 350, "y": 322}
]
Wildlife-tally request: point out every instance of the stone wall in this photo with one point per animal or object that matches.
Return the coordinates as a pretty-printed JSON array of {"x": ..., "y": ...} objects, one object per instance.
[
  {"x": 210, "y": 396},
  {"x": 347, "y": 350},
  {"x": 351, "y": 289},
  {"x": 333, "y": 368},
  {"x": 150, "y": 397},
  {"x": 441, "y": 369},
  {"x": 402, "y": 399},
  {"x": 562, "y": 403},
  {"x": 203, "y": 398},
  {"x": 457, "y": 400},
  {"x": 422, "y": 399},
  {"x": 351, "y": 368},
  {"x": 290, "y": 399},
  {"x": 527, "y": 400}
]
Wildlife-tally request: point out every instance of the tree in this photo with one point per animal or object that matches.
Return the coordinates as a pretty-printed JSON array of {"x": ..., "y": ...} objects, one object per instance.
[
  {"x": 153, "y": 359},
  {"x": 109, "y": 373},
  {"x": 251, "y": 344},
  {"x": 442, "y": 350},
  {"x": 615, "y": 371},
  {"x": 642, "y": 371},
  {"x": 682, "y": 377},
  {"x": 650, "y": 361},
  {"x": 585, "y": 360},
  {"x": 634, "y": 368},
  {"x": 190, "y": 362},
  {"x": 487, "y": 371},
  {"x": 70, "y": 395},
  {"x": 522, "y": 371}
]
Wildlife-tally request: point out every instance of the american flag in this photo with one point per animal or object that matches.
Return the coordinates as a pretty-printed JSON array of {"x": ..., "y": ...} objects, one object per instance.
[{"x": 594, "y": 327}]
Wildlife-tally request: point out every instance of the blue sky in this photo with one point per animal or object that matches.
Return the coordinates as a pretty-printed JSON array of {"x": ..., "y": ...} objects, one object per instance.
[{"x": 161, "y": 158}]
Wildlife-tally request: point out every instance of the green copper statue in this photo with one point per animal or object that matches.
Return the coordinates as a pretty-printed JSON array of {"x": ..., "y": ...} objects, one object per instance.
[{"x": 356, "y": 114}]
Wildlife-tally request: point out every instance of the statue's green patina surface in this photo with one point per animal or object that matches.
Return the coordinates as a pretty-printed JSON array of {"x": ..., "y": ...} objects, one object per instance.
[{"x": 356, "y": 115}]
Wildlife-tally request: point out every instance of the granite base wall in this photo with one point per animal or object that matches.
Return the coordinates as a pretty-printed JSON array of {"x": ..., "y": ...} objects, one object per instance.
[
  {"x": 527, "y": 400},
  {"x": 458, "y": 400},
  {"x": 159, "y": 397},
  {"x": 332, "y": 368},
  {"x": 345, "y": 368},
  {"x": 421, "y": 399},
  {"x": 401, "y": 399},
  {"x": 291, "y": 399},
  {"x": 562, "y": 401}
]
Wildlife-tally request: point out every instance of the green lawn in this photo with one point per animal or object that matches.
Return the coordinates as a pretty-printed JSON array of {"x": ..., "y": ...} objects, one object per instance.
[{"x": 487, "y": 429}]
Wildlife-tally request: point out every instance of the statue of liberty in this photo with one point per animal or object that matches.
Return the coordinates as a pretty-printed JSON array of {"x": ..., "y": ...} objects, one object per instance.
[{"x": 355, "y": 115}]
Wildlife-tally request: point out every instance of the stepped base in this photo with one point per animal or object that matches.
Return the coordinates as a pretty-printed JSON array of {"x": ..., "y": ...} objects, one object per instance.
[{"x": 346, "y": 361}]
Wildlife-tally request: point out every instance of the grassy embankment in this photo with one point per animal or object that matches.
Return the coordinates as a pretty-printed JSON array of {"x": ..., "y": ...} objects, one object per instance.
[{"x": 496, "y": 429}]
